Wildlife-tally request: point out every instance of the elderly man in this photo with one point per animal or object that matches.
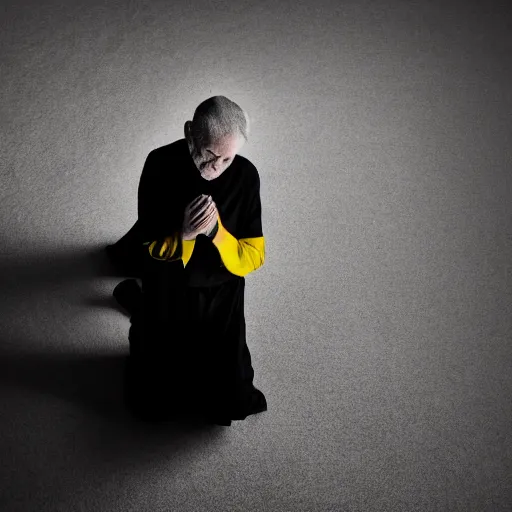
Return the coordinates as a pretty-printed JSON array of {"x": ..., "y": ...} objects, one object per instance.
[{"x": 198, "y": 234}]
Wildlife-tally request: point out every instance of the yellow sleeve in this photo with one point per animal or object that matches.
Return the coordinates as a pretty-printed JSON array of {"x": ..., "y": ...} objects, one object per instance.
[
  {"x": 242, "y": 256},
  {"x": 172, "y": 248}
]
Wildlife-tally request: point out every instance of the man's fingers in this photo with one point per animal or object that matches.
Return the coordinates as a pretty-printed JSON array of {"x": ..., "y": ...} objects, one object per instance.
[
  {"x": 197, "y": 201},
  {"x": 208, "y": 215},
  {"x": 212, "y": 216},
  {"x": 201, "y": 208},
  {"x": 205, "y": 220}
]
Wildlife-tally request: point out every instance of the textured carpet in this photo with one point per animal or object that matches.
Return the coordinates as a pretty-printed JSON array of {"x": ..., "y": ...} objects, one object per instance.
[{"x": 380, "y": 325}]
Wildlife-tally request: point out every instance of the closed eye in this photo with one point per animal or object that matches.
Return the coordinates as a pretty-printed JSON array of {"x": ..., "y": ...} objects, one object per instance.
[{"x": 225, "y": 159}]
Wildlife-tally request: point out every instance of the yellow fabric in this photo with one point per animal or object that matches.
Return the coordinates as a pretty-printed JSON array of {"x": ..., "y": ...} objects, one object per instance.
[
  {"x": 164, "y": 249},
  {"x": 168, "y": 248},
  {"x": 188, "y": 248},
  {"x": 240, "y": 257}
]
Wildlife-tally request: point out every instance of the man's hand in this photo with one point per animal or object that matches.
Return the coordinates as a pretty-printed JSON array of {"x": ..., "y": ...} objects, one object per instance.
[{"x": 200, "y": 217}]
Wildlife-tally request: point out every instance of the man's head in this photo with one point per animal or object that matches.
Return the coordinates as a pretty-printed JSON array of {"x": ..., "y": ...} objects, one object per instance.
[{"x": 216, "y": 134}]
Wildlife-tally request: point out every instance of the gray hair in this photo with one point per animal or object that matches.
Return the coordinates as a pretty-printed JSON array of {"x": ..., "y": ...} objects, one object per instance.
[{"x": 218, "y": 117}]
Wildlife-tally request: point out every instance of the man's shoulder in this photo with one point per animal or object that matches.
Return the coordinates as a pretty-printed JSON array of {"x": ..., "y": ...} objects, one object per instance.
[
  {"x": 173, "y": 150},
  {"x": 250, "y": 171}
]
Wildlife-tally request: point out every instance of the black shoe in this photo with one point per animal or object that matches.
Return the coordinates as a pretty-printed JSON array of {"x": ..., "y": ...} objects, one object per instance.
[{"x": 128, "y": 294}]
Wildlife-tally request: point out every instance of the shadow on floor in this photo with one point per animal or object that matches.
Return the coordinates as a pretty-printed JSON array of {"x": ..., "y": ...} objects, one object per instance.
[
  {"x": 29, "y": 285},
  {"x": 38, "y": 270},
  {"x": 95, "y": 383}
]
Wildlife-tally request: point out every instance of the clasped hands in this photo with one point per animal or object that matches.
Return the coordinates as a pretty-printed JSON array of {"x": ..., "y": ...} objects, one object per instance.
[{"x": 200, "y": 217}]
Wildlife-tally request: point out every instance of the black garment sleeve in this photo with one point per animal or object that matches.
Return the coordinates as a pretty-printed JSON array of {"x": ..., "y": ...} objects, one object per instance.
[
  {"x": 252, "y": 225},
  {"x": 158, "y": 210}
]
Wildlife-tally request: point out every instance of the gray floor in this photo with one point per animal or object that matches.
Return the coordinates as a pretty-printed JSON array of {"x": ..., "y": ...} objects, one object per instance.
[{"x": 380, "y": 325}]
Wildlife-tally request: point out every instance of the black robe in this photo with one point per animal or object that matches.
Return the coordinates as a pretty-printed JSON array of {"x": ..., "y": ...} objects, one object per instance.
[{"x": 188, "y": 350}]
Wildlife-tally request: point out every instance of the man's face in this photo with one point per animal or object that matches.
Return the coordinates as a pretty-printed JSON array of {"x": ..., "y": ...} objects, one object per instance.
[{"x": 213, "y": 159}]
